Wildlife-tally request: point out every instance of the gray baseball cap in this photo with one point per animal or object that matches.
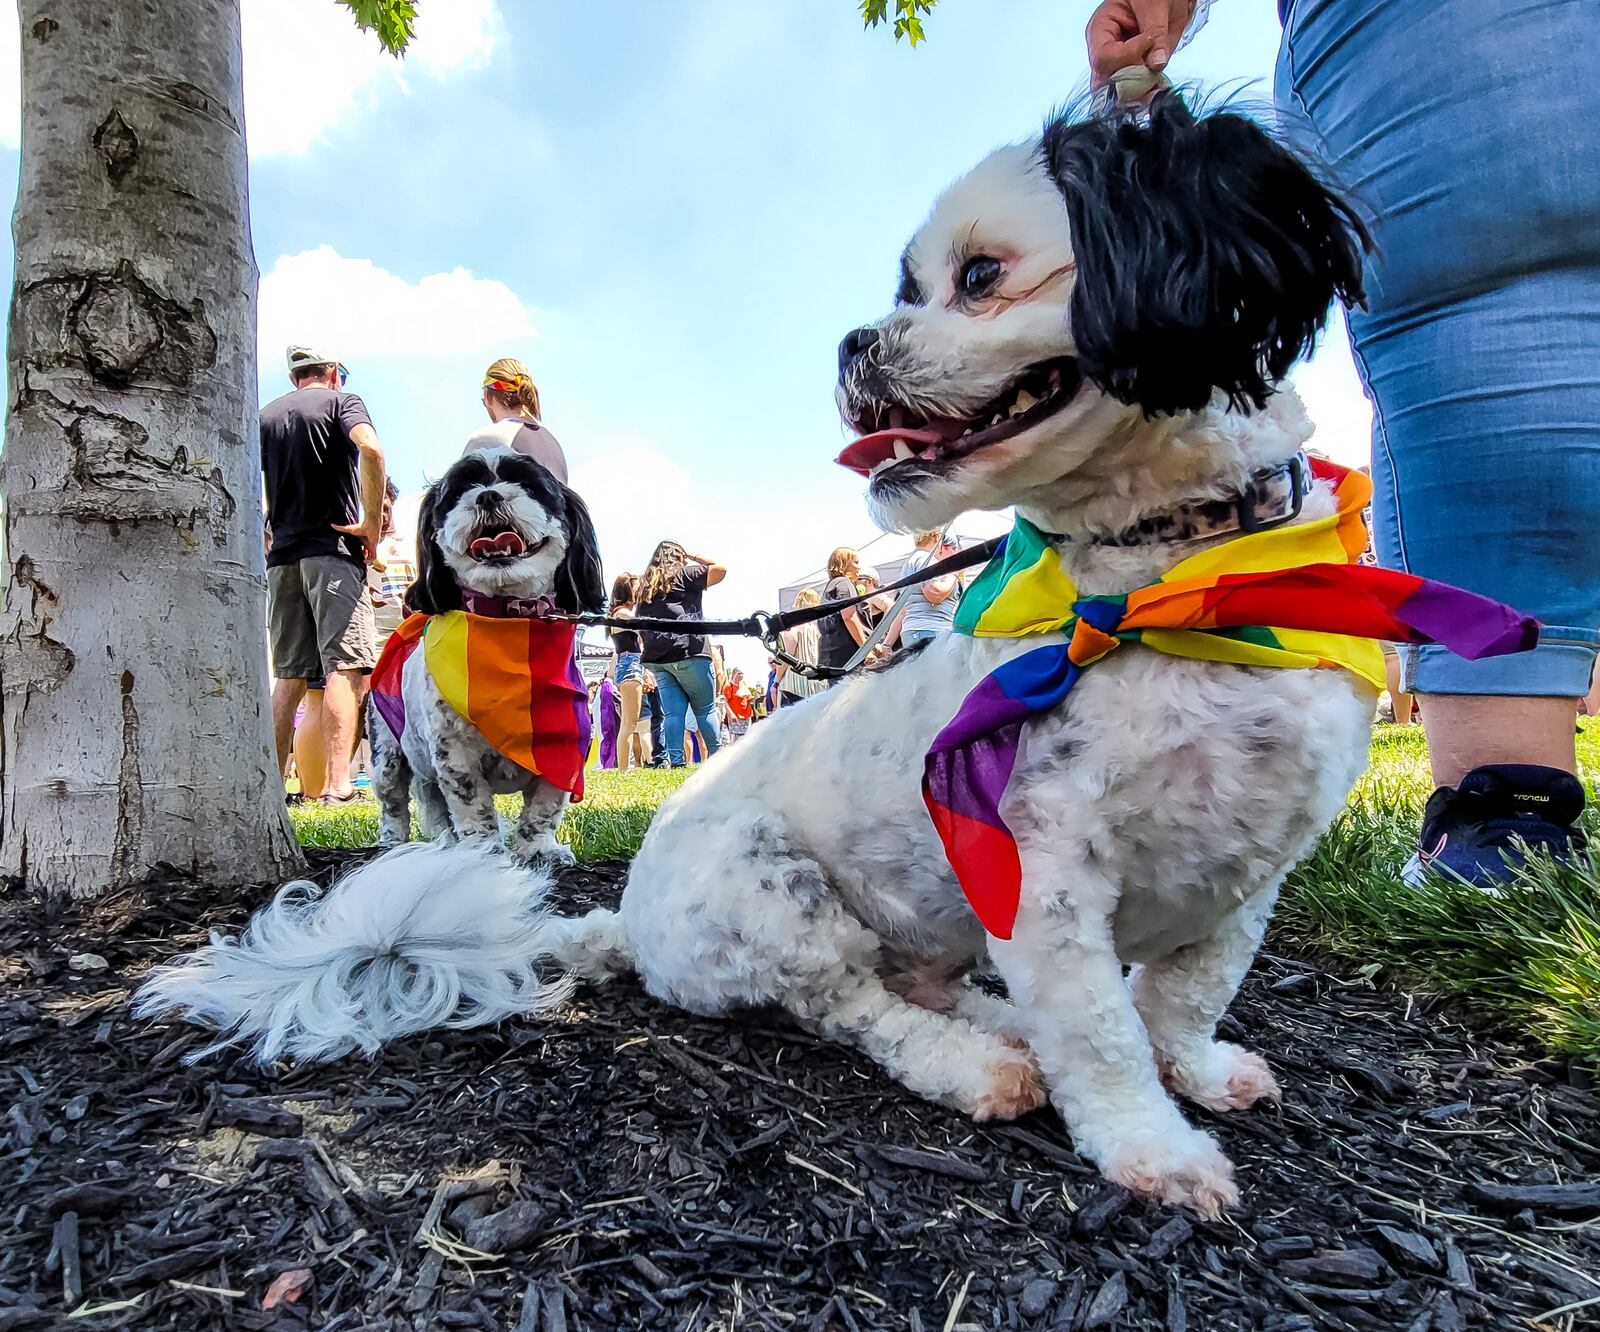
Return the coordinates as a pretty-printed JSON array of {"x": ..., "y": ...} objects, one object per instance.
[{"x": 302, "y": 357}]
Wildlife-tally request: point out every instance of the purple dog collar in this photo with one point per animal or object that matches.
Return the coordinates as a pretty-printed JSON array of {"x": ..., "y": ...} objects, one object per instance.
[{"x": 508, "y": 608}]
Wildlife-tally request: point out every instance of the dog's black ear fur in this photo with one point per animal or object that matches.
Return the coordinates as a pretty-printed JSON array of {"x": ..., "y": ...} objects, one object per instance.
[
  {"x": 580, "y": 579},
  {"x": 1207, "y": 253},
  {"x": 436, "y": 589}
]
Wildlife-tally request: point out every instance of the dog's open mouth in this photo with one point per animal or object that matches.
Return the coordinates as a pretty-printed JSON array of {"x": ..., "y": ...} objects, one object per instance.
[
  {"x": 502, "y": 546},
  {"x": 891, "y": 435}
]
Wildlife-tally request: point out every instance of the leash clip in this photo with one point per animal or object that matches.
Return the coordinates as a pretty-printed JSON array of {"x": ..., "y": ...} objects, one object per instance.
[{"x": 1245, "y": 505}]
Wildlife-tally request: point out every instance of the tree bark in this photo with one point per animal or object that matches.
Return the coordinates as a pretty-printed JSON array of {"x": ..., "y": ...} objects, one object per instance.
[{"x": 134, "y": 736}]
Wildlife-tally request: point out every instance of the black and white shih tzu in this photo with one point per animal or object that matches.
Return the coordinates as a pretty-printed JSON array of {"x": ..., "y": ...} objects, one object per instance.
[
  {"x": 1092, "y": 326},
  {"x": 497, "y": 535}
]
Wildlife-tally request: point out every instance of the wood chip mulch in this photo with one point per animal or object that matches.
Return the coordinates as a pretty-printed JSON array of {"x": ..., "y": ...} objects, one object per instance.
[{"x": 629, "y": 1166}]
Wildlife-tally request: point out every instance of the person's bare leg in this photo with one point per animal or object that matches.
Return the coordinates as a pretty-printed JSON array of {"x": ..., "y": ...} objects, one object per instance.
[
  {"x": 311, "y": 750},
  {"x": 1401, "y": 702},
  {"x": 1466, "y": 731},
  {"x": 286, "y": 696},
  {"x": 632, "y": 692},
  {"x": 341, "y": 700}
]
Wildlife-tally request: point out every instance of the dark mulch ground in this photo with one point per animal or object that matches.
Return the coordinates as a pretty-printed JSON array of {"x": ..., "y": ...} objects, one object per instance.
[{"x": 630, "y": 1166}]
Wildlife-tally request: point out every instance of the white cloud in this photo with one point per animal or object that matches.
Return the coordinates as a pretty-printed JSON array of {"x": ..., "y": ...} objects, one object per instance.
[
  {"x": 362, "y": 310},
  {"x": 307, "y": 65},
  {"x": 638, "y": 495}
]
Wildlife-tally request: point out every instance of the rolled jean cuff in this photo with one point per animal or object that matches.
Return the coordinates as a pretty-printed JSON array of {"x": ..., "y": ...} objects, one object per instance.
[{"x": 1559, "y": 667}]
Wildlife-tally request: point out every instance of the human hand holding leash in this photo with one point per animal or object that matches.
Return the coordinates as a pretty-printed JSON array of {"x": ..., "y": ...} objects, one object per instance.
[{"x": 1123, "y": 33}]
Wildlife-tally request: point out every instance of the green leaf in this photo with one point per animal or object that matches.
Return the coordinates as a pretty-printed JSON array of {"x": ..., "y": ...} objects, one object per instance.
[
  {"x": 394, "y": 21},
  {"x": 907, "y": 21}
]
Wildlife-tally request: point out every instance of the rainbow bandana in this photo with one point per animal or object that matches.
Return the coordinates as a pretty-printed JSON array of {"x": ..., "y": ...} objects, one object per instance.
[
  {"x": 515, "y": 680},
  {"x": 1290, "y": 596}
]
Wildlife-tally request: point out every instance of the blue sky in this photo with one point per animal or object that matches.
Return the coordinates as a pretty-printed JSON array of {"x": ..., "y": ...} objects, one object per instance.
[{"x": 672, "y": 212}]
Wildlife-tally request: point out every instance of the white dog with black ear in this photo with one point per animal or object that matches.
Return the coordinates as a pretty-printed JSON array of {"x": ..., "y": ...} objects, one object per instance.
[
  {"x": 1091, "y": 326},
  {"x": 500, "y": 538}
]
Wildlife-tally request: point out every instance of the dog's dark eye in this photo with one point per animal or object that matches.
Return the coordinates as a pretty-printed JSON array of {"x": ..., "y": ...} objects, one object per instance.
[{"x": 978, "y": 275}]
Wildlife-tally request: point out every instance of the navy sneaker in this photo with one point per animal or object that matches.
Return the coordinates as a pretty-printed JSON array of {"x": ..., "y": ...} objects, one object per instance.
[{"x": 1482, "y": 829}]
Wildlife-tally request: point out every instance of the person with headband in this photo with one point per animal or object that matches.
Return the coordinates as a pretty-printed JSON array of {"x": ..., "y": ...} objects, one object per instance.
[{"x": 512, "y": 400}]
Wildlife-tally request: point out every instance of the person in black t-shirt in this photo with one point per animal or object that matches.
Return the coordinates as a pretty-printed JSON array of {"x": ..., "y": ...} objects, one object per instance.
[
  {"x": 840, "y": 635},
  {"x": 672, "y": 587},
  {"x": 324, "y": 475}
]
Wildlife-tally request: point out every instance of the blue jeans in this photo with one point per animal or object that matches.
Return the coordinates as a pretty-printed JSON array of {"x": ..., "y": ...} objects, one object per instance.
[
  {"x": 683, "y": 685},
  {"x": 909, "y": 638},
  {"x": 1464, "y": 133}
]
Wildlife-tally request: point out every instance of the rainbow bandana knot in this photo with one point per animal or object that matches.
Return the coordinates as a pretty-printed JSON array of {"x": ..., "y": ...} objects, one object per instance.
[
  {"x": 514, "y": 679},
  {"x": 1291, "y": 596},
  {"x": 1094, "y": 628}
]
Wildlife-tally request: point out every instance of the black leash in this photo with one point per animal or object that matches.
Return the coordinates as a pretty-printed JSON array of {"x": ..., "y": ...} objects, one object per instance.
[{"x": 768, "y": 626}]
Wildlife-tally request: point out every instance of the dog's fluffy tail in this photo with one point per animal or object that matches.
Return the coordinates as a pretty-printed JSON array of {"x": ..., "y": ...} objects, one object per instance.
[{"x": 424, "y": 936}]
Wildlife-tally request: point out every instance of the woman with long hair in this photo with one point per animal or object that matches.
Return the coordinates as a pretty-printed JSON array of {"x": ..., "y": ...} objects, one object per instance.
[
  {"x": 673, "y": 587},
  {"x": 803, "y": 644},
  {"x": 512, "y": 400},
  {"x": 842, "y": 634},
  {"x": 633, "y": 735}
]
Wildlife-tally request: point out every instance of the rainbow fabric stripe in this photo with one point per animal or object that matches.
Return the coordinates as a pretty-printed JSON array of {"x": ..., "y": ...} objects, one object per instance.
[
  {"x": 1292, "y": 596},
  {"x": 515, "y": 680}
]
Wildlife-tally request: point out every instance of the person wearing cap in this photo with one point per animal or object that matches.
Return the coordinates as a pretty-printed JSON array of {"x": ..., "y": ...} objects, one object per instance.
[
  {"x": 931, "y": 607},
  {"x": 512, "y": 400},
  {"x": 324, "y": 475}
]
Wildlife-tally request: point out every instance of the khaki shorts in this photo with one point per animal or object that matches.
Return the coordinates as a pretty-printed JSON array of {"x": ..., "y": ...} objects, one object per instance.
[{"x": 319, "y": 618}]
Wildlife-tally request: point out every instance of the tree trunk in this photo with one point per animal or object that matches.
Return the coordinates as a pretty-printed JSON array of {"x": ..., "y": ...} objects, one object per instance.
[{"x": 134, "y": 735}]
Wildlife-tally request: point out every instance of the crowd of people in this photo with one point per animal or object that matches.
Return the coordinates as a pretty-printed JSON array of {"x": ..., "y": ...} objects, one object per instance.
[{"x": 665, "y": 687}]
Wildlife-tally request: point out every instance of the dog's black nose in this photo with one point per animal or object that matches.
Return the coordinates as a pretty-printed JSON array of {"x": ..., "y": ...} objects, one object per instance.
[
  {"x": 487, "y": 499},
  {"x": 855, "y": 345}
]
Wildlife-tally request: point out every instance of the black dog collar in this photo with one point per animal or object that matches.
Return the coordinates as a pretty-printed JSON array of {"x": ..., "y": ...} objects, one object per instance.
[{"x": 1273, "y": 497}]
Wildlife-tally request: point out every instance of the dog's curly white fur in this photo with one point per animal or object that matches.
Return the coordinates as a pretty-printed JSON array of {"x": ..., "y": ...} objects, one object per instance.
[{"x": 1156, "y": 811}]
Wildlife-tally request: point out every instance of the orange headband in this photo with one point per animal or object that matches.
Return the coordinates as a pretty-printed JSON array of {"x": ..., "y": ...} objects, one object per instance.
[{"x": 504, "y": 385}]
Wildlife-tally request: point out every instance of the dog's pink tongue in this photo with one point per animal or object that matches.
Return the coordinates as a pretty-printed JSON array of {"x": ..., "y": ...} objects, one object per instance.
[
  {"x": 870, "y": 450},
  {"x": 507, "y": 543}
]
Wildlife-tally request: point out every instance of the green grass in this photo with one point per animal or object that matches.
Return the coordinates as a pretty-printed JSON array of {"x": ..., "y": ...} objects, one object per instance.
[
  {"x": 1529, "y": 958},
  {"x": 607, "y": 824}
]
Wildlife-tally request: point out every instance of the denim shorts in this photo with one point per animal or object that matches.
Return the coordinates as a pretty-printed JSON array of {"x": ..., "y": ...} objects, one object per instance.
[
  {"x": 629, "y": 667},
  {"x": 1468, "y": 137}
]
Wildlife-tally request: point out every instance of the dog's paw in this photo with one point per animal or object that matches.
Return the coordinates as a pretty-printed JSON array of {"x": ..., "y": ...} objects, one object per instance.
[
  {"x": 543, "y": 852},
  {"x": 1015, "y": 1086},
  {"x": 1187, "y": 1170},
  {"x": 1224, "y": 1078}
]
